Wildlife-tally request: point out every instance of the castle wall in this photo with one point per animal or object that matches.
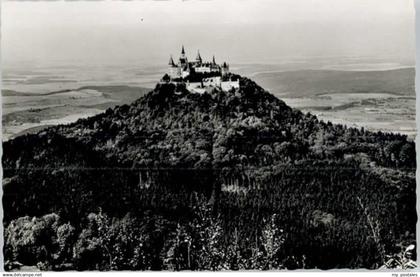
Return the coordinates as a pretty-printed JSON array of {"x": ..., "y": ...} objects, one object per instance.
[
  {"x": 212, "y": 81},
  {"x": 185, "y": 74},
  {"x": 193, "y": 85},
  {"x": 202, "y": 69},
  {"x": 173, "y": 72},
  {"x": 198, "y": 90},
  {"x": 227, "y": 85},
  {"x": 196, "y": 87}
]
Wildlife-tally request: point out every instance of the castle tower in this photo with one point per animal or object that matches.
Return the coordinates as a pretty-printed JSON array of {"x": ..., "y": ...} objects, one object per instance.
[
  {"x": 171, "y": 61},
  {"x": 173, "y": 69},
  {"x": 225, "y": 68},
  {"x": 213, "y": 66},
  {"x": 198, "y": 58},
  {"x": 183, "y": 58},
  {"x": 185, "y": 70}
]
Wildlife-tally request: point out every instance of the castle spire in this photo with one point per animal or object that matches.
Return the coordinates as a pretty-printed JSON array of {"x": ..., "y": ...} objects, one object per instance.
[
  {"x": 183, "y": 56},
  {"x": 171, "y": 61},
  {"x": 214, "y": 60},
  {"x": 198, "y": 59}
]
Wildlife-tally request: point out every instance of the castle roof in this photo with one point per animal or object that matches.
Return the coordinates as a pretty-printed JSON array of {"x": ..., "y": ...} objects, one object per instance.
[
  {"x": 171, "y": 61},
  {"x": 198, "y": 58}
]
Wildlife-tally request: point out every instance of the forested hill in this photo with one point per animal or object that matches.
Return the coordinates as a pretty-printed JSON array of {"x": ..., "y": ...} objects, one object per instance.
[
  {"x": 217, "y": 129},
  {"x": 246, "y": 152}
]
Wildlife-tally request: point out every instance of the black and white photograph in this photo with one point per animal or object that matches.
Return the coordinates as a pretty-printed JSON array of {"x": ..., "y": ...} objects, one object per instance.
[{"x": 217, "y": 135}]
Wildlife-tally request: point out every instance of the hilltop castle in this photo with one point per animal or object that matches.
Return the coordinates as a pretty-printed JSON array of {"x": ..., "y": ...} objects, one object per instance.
[
  {"x": 199, "y": 75},
  {"x": 184, "y": 68}
]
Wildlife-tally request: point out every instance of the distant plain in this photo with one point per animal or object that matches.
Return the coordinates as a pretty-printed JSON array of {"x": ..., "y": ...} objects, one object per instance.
[{"x": 377, "y": 100}]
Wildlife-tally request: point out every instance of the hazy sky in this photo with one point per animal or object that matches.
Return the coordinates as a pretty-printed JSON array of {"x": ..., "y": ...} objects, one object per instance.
[{"x": 112, "y": 32}]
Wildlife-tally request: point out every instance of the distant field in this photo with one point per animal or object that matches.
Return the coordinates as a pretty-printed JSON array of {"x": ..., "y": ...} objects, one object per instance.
[
  {"x": 376, "y": 100},
  {"x": 304, "y": 83},
  {"x": 25, "y": 112}
]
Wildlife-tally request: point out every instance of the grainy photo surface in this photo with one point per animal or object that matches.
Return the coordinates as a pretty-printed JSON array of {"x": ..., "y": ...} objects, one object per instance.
[{"x": 208, "y": 135}]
